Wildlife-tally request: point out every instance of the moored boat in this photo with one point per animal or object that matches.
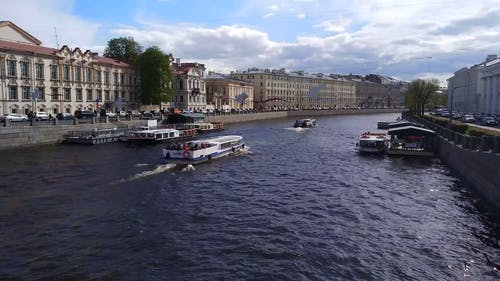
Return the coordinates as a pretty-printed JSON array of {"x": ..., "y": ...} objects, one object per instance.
[
  {"x": 411, "y": 141},
  {"x": 305, "y": 123},
  {"x": 202, "y": 127},
  {"x": 159, "y": 135},
  {"x": 372, "y": 143},
  {"x": 198, "y": 151}
]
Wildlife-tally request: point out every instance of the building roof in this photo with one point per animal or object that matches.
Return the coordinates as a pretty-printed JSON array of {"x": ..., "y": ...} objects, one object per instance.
[
  {"x": 411, "y": 131},
  {"x": 13, "y": 46},
  {"x": 184, "y": 68},
  {"x": 21, "y": 47},
  {"x": 21, "y": 32}
]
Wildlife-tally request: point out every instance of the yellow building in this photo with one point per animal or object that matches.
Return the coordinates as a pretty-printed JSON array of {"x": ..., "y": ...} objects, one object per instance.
[
  {"x": 225, "y": 93},
  {"x": 278, "y": 89},
  {"x": 36, "y": 78}
]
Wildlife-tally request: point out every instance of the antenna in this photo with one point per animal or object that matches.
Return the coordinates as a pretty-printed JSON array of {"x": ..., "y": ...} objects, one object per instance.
[{"x": 57, "y": 42}]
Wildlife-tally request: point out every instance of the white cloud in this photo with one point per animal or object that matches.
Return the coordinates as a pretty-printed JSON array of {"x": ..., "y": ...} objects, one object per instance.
[
  {"x": 334, "y": 25},
  {"x": 301, "y": 16},
  {"x": 42, "y": 18}
]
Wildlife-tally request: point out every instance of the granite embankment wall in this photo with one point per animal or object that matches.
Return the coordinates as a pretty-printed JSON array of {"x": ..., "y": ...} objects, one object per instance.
[
  {"x": 237, "y": 118},
  {"x": 21, "y": 136},
  {"x": 476, "y": 160}
]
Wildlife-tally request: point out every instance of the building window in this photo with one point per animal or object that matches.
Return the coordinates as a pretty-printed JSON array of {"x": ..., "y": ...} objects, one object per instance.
[
  {"x": 89, "y": 95},
  {"x": 26, "y": 93},
  {"x": 53, "y": 72},
  {"x": 78, "y": 74},
  {"x": 106, "y": 77},
  {"x": 106, "y": 95},
  {"x": 39, "y": 71},
  {"x": 67, "y": 94},
  {"x": 115, "y": 78},
  {"x": 54, "y": 94},
  {"x": 99, "y": 78},
  {"x": 89, "y": 75},
  {"x": 24, "y": 69},
  {"x": 122, "y": 79},
  {"x": 99, "y": 95},
  {"x": 13, "y": 93},
  {"x": 41, "y": 93},
  {"x": 11, "y": 68},
  {"x": 79, "y": 96},
  {"x": 66, "y": 73}
]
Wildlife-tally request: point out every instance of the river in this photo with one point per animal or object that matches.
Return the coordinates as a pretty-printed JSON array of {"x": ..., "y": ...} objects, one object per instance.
[{"x": 298, "y": 205}]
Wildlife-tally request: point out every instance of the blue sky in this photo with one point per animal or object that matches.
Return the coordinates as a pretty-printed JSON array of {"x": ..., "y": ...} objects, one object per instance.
[{"x": 404, "y": 39}]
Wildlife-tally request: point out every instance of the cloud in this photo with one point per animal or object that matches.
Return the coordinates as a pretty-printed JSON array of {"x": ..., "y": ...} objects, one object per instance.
[
  {"x": 43, "y": 18},
  {"x": 334, "y": 25},
  {"x": 301, "y": 16}
]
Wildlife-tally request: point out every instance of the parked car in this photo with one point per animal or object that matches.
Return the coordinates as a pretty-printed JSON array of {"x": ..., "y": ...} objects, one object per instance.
[
  {"x": 122, "y": 113},
  {"x": 39, "y": 116},
  {"x": 134, "y": 113},
  {"x": 110, "y": 114},
  {"x": 84, "y": 114},
  {"x": 468, "y": 118},
  {"x": 64, "y": 116},
  {"x": 16, "y": 117},
  {"x": 489, "y": 121}
]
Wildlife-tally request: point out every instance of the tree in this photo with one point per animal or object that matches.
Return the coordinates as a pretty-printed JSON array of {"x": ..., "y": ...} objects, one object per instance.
[
  {"x": 419, "y": 94},
  {"x": 156, "y": 77},
  {"x": 124, "y": 49}
]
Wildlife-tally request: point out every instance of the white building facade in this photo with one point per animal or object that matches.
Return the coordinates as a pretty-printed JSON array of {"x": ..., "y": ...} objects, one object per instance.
[
  {"x": 36, "y": 78},
  {"x": 190, "y": 90},
  {"x": 476, "y": 89}
]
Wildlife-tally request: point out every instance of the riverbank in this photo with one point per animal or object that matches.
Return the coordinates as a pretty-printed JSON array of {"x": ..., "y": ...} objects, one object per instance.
[
  {"x": 238, "y": 118},
  {"x": 476, "y": 160},
  {"x": 23, "y": 136}
]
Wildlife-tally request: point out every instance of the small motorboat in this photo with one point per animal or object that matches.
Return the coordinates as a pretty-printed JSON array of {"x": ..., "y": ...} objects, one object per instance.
[{"x": 305, "y": 123}]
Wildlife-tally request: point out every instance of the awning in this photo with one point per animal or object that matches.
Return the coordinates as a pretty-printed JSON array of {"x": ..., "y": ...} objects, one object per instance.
[{"x": 411, "y": 131}]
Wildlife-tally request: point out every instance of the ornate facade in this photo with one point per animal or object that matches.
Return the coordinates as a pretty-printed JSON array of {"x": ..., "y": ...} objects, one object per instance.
[
  {"x": 226, "y": 93},
  {"x": 190, "y": 86},
  {"x": 36, "y": 78},
  {"x": 277, "y": 89}
]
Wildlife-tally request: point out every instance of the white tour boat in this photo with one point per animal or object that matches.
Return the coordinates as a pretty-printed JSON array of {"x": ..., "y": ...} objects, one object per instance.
[
  {"x": 372, "y": 143},
  {"x": 199, "y": 151},
  {"x": 159, "y": 135},
  {"x": 305, "y": 123}
]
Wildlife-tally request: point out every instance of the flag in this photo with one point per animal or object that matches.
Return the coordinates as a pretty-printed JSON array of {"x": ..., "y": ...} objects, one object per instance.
[
  {"x": 314, "y": 91},
  {"x": 241, "y": 97}
]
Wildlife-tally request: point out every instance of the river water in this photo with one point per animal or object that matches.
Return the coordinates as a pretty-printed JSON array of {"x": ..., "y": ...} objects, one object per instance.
[{"x": 299, "y": 205}]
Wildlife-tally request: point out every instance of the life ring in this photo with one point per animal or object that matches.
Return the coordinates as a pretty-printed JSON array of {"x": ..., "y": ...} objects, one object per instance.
[{"x": 185, "y": 154}]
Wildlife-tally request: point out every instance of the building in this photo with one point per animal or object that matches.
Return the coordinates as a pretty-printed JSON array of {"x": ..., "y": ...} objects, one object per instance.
[
  {"x": 226, "y": 93},
  {"x": 476, "y": 89},
  {"x": 376, "y": 91},
  {"x": 278, "y": 89},
  {"x": 36, "y": 78},
  {"x": 190, "y": 90}
]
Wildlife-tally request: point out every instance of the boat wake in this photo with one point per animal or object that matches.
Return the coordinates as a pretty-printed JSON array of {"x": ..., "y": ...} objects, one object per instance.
[
  {"x": 298, "y": 129},
  {"x": 188, "y": 168},
  {"x": 157, "y": 170}
]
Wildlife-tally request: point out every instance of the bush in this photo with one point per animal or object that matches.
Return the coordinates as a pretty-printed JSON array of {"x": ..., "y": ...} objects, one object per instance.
[{"x": 459, "y": 128}]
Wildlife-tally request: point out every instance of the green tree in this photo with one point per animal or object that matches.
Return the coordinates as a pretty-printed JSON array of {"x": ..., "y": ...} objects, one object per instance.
[
  {"x": 124, "y": 49},
  {"x": 156, "y": 77},
  {"x": 419, "y": 94}
]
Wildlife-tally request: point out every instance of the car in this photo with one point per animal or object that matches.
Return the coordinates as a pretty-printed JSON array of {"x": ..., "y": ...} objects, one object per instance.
[
  {"x": 39, "y": 116},
  {"x": 122, "y": 113},
  {"x": 110, "y": 114},
  {"x": 134, "y": 113},
  {"x": 16, "y": 117},
  {"x": 489, "y": 121},
  {"x": 64, "y": 116},
  {"x": 84, "y": 114},
  {"x": 468, "y": 118}
]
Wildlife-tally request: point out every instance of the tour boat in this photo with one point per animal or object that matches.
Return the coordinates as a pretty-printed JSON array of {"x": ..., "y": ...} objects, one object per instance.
[
  {"x": 198, "y": 151},
  {"x": 305, "y": 123},
  {"x": 202, "y": 127},
  {"x": 159, "y": 135},
  {"x": 372, "y": 143}
]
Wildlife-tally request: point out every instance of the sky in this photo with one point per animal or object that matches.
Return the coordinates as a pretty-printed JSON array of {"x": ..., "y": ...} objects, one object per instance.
[{"x": 405, "y": 39}]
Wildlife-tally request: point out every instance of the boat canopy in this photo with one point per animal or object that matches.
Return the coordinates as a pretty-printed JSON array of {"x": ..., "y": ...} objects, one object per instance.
[
  {"x": 402, "y": 124},
  {"x": 411, "y": 131},
  {"x": 186, "y": 118}
]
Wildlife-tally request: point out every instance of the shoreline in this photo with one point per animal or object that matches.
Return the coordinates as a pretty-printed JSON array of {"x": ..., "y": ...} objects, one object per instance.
[{"x": 13, "y": 137}]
